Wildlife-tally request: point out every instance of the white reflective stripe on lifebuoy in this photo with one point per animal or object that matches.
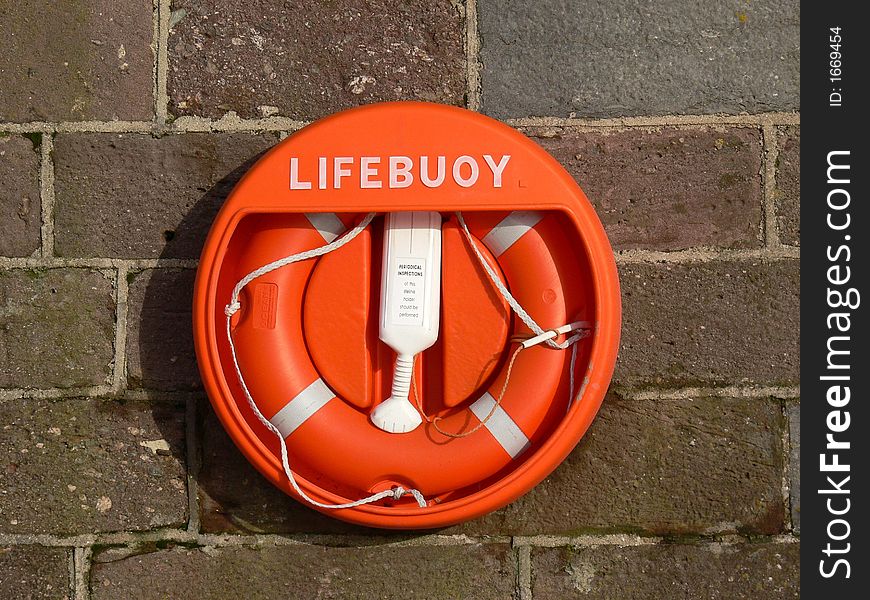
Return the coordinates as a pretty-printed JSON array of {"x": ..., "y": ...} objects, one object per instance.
[
  {"x": 304, "y": 405},
  {"x": 327, "y": 225},
  {"x": 509, "y": 230},
  {"x": 505, "y": 431}
]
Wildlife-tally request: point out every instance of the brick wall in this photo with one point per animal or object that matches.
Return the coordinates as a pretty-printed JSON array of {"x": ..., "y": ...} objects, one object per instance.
[{"x": 124, "y": 124}]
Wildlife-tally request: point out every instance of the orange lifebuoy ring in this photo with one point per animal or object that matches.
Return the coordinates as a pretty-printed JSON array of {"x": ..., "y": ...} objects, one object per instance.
[{"x": 303, "y": 336}]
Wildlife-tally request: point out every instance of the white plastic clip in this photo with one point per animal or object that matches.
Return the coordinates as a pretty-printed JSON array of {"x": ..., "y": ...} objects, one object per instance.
[{"x": 551, "y": 333}]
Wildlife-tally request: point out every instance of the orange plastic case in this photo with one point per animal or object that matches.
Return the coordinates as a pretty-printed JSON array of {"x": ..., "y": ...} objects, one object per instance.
[{"x": 314, "y": 323}]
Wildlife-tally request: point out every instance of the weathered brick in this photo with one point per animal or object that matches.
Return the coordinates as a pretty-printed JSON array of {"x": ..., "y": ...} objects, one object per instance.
[
  {"x": 794, "y": 466},
  {"x": 668, "y": 571},
  {"x": 788, "y": 185},
  {"x": 710, "y": 323},
  {"x": 601, "y": 59},
  {"x": 20, "y": 206},
  {"x": 467, "y": 571},
  {"x": 34, "y": 572},
  {"x": 56, "y": 327},
  {"x": 249, "y": 57},
  {"x": 160, "y": 353},
  {"x": 84, "y": 465},
  {"x": 135, "y": 196},
  {"x": 670, "y": 189},
  {"x": 66, "y": 61},
  {"x": 661, "y": 466},
  {"x": 234, "y": 497}
]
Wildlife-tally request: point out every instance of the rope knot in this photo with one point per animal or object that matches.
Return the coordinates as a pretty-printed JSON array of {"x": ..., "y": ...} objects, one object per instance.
[
  {"x": 398, "y": 492},
  {"x": 232, "y": 308}
]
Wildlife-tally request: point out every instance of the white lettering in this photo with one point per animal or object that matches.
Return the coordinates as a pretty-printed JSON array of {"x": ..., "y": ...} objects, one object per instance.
[
  {"x": 367, "y": 171},
  {"x": 497, "y": 169},
  {"x": 396, "y": 171},
  {"x": 835, "y": 465},
  {"x": 424, "y": 171},
  {"x": 321, "y": 173},
  {"x": 339, "y": 171},
  {"x": 295, "y": 184},
  {"x": 457, "y": 171},
  {"x": 400, "y": 176}
]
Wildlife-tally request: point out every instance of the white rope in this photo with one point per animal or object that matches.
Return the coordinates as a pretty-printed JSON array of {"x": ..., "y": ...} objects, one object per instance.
[
  {"x": 571, "y": 375},
  {"x": 580, "y": 330},
  {"x": 234, "y": 305},
  {"x": 496, "y": 281}
]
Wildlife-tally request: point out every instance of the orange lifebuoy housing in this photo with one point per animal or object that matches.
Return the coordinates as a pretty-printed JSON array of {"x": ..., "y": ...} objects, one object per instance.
[{"x": 305, "y": 340}]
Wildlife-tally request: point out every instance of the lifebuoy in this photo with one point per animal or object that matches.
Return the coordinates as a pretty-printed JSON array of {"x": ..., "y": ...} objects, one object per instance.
[
  {"x": 332, "y": 439},
  {"x": 302, "y": 334}
]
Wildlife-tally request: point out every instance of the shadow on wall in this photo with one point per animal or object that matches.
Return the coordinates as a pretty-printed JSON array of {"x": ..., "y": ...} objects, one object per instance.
[{"x": 233, "y": 496}]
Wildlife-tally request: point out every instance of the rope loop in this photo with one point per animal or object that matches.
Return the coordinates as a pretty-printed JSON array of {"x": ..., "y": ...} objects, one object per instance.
[
  {"x": 235, "y": 305},
  {"x": 579, "y": 329}
]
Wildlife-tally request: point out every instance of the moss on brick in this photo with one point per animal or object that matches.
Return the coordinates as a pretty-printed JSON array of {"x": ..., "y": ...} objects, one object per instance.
[
  {"x": 20, "y": 203},
  {"x": 35, "y": 139},
  {"x": 86, "y": 469},
  {"x": 65, "y": 62},
  {"x": 61, "y": 332}
]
